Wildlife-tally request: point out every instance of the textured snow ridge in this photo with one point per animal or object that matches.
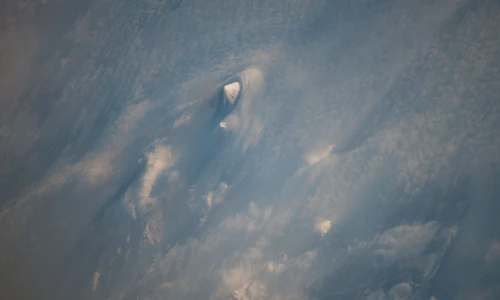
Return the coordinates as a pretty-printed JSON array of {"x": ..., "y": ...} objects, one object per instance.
[{"x": 231, "y": 91}]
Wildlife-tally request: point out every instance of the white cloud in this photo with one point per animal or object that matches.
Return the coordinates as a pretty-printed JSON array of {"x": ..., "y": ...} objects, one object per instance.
[
  {"x": 254, "y": 219},
  {"x": 19, "y": 46},
  {"x": 250, "y": 291},
  {"x": 244, "y": 120},
  {"x": 99, "y": 165},
  {"x": 316, "y": 156},
  {"x": 276, "y": 267},
  {"x": 401, "y": 291},
  {"x": 323, "y": 226},
  {"x": 150, "y": 213},
  {"x": 183, "y": 120},
  {"x": 493, "y": 253},
  {"x": 153, "y": 228},
  {"x": 217, "y": 197},
  {"x": 305, "y": 261},
  {"x": 231, "y": 123},
  {"x": 405, "y": 241},
  {"x": 98, "y": 168},
  {"x": 254, "y": 278},
  {"x": 130, "y": 206},
  {"x": 159, "y": 160},
  {"x": 408, "y": 151},
  {"x": 239, "y": 277},
  {"x": 95, "y": 281}
]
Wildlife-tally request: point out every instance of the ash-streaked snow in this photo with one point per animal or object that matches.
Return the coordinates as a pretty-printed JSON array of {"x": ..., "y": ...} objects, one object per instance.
[{"x": 231, "y": 92}]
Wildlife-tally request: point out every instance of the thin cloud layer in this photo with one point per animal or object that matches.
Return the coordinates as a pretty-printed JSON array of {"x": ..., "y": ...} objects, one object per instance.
[{"x": 361, "y": 160}]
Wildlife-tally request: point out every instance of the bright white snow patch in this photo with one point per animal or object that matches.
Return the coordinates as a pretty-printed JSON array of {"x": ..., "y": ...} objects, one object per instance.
[
  {"x": 231, "y": 91},
  {"x": 223, "y": 125}
]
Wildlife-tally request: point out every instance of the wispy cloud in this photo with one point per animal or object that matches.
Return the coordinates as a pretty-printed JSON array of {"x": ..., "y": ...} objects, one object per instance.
[
  {"x": 100, "y": 164},
  {"x": 404, "y": 241},
  {"x": 318, "y": 155},
  {"x": 159, "y": 160},
  {"x": 216, "y": 197},
  {"x": 183, "y": 120},
  {"x": 323, "y": 226},
  {"x": 406, "y": 103},
  {"x": 95, "y": 281},
  {"x": 493, "y": 253}
]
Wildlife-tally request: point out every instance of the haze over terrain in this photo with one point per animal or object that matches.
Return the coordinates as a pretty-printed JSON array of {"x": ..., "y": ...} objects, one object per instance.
[{"x": 361, "y": 160}]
